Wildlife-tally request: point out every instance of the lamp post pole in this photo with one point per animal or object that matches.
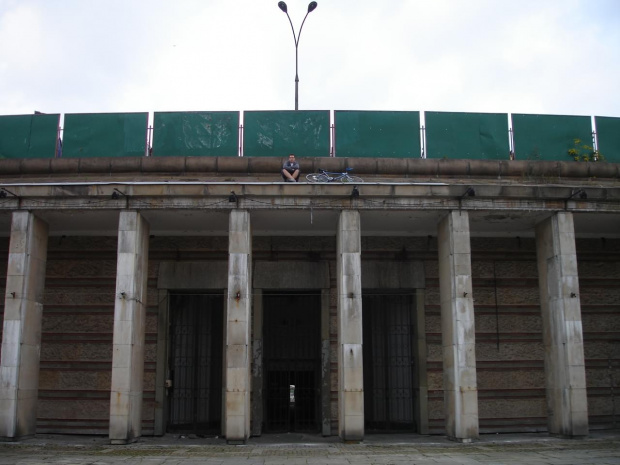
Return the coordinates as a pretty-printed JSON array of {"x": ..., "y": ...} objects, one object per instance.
[{"x": 311, "y": 7}]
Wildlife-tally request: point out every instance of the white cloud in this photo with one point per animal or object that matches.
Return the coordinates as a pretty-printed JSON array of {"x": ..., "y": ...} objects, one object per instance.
[{"x": 550, "y": 56}]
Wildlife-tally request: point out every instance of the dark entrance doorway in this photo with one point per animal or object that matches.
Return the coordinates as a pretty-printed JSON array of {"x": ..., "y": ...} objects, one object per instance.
[
  {"x": 389, "y": 362},
  {"x": 196, "y": 336},
  {"x": 292, "y": 361}
]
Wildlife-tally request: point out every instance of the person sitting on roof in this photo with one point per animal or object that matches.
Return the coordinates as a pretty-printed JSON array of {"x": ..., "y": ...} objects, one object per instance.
[{"x": 290, "y": 169}]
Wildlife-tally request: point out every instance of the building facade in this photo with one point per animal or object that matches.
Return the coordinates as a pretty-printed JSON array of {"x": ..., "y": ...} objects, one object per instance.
[{"x": 204, "y": 295}]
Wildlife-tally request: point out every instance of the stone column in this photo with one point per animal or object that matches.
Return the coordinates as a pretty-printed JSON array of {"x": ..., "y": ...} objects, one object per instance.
[
  {"x": 257, "y": 365},
  {"x": 238, "y": 307},
  {"x": 129, "y": 327},
  {"x": 326, "y": 415},
  {"x": 421, "y": 374},
  {"x": 565, "y": 376},
  {"x": 350, "y": 362},
  {"x": 21, "y": 337},
  {"x": 457, "y": 328}
]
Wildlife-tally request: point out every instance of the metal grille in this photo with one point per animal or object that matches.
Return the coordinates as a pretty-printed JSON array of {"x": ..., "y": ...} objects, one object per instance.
[
  {"x": 292, "y": 361},
  {"x": 388, "y": 362},
  {"x": 196, "y": 363}
]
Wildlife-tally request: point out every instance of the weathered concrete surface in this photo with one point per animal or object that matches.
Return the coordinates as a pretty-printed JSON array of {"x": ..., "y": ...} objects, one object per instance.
[
  {"x": 565, "y": 375},
  {"x": 291, "y": 275},
  {"x": 458, "y": 328},
  {"x": 350, "y": 361},
  {"x": 257, "y": 363},
  {"x": 238, "y": 321},
  {"x": 248, "y": 166},
  {"x": 192, "y": 275},
  {"x": 21, "y": 337},
  {"x": 382, "y": 274},
  {"x": 129, "y": 328}
]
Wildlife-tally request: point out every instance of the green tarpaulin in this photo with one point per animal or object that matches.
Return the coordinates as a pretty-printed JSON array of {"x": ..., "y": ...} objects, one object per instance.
[
  {"x": 467, "y": 135},
  {"x": 199, "y": 133},
  {"x": 549, "y": 137},
  {"x": 104, "y": 135},
  {"x": 29, "y": 136},
  {"x": 278, "y": 133},
  {"x": 379, "y": 134}
]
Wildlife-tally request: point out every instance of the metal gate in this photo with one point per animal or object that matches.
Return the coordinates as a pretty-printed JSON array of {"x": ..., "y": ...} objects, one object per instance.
[
  {"x": 196, "y": 336},
  {"x": 388, "y": 362},
  {"x": 292, "y": 361}
]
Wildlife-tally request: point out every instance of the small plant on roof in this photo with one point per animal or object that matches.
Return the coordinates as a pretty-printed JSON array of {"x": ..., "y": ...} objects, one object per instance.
[{"x": 584, "y": 152}]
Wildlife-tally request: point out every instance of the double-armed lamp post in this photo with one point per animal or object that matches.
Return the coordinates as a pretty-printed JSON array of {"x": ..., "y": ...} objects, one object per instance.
[{"x": 311, "y": 7}]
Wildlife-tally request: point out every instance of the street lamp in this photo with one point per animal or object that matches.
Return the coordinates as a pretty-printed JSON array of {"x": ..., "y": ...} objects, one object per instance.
[{"x": 311, "y": 7}]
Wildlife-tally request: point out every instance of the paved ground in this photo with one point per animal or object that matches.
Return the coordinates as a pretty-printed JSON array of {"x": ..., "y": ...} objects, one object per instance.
[{"x": 601, "y": 448}]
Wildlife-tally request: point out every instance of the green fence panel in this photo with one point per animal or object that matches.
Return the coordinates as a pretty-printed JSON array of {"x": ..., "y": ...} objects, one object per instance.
[
  {"x": 278, "y": 133},
  {"x": 378, "y": 134},
  {"x": 608, "y": 135},
  {"x": 28, "y": 136},
  {"x": 197, "y": 133},
  {"x": 549, "y": 137},
  {"x": 467, "y": 135},
  {"x": 89, "y": 135}
]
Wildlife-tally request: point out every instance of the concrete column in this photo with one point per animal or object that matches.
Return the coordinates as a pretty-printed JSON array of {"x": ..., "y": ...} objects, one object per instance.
[
  {"x": 350, "y": 362},
  {"x": 457, "y": 328},
  {"x": 326, "y": 415},
  {"x": 162, "y": 368},
  {"x": 21, "y": 337},
  {"x": 565, "y": 376},
  {"x": 257, "y": 364},
  {"x": 421, "y": 376},
  {"x": 238, "y": 307},
  {"x": 129, "y": 326}
]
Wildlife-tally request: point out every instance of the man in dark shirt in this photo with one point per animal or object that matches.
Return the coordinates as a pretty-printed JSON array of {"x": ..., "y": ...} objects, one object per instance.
[{"x": 290, "y": 169}]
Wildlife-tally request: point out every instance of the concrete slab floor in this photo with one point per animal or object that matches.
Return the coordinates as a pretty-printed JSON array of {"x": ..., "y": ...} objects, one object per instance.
[{"x": 601, "y": 447}]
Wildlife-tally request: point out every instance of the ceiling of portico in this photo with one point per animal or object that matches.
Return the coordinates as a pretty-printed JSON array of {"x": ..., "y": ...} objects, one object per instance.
[{"x": 308, "y": 222}]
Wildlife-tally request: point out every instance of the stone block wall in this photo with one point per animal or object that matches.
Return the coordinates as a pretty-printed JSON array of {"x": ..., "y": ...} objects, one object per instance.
[
  {"x": 598, "y": 262},
  {"x": 76, "y": 341}
]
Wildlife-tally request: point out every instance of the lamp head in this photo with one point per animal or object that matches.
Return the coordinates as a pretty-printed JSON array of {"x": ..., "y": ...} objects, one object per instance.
[
  {"x": 311, "y": 7},
  {"x": 282, "y": 6}
]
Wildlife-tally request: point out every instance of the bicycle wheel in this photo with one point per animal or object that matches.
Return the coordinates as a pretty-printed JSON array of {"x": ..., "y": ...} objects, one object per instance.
[
  {"x": 317, "y": 177},
  {"x": 349, "y": 178}
]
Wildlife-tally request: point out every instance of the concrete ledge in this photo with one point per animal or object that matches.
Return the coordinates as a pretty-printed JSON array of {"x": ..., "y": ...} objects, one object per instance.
[
  {"x": 201, "y": 164},
  {"x": 163, "y": 164},
  {"x": 256, "y": 166},
  {"x": 233, "y": 164},
  {"x": 513, "y": 168},
  {"x": 10, "y": 166},
  {"x": 125, "y": 164},
  {"x": 392, "y": 166},
  {"x": 65, "y": 165},
  {"x": 94, "y": 165},
  {"x": 363, "y": 165},
  {"x": 271, "y": 165},
  {"x": 422, "y": 166},
  {"x": 453, "y": 168},
  {"x": 331, "y": 164}
]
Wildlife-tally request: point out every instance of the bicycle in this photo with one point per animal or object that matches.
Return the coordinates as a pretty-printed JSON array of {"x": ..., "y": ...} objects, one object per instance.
[{"x": 328, "y": 176}]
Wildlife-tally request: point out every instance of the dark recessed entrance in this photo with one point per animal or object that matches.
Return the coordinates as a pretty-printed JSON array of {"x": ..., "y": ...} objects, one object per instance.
[
  {"x": 196, "y": 332},
  {"x": 292, "y": 361},
  {"x": 389, "y": 362}
]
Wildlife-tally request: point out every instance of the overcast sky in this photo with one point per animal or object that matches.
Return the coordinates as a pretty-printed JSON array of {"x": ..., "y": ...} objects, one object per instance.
[{"x": 522, "y": 56}]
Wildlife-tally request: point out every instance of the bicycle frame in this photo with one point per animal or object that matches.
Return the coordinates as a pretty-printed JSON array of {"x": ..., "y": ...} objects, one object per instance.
[{"x": 332, "y": 176}]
